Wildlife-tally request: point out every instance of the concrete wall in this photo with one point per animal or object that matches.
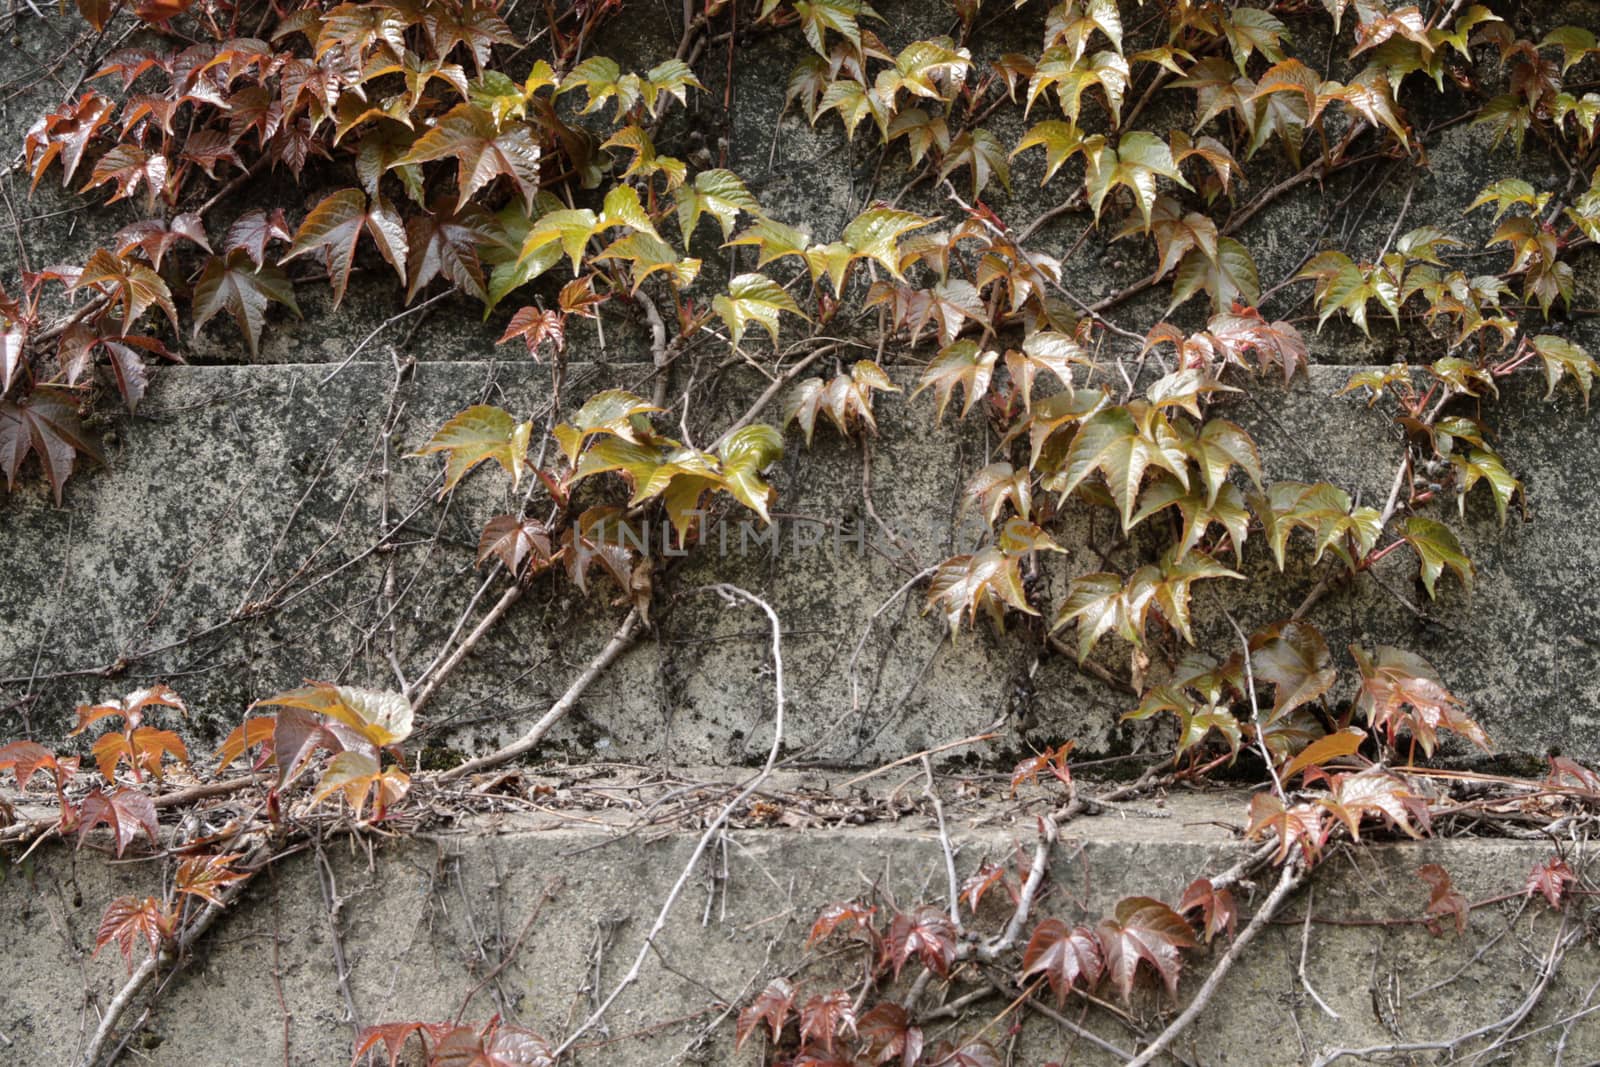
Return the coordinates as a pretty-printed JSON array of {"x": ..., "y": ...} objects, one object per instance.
[{"x": 229, "y": 550}]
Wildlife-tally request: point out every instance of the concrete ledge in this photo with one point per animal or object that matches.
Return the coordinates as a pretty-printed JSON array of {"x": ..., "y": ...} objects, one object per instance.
[{"x": 424, "y": 920}]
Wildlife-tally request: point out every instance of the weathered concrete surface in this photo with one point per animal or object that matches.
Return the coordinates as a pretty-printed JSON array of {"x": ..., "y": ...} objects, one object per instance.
[
  {"x": 423, "y": 921},
  {"x": 226, "y": 462},
  {"x": 238, "y": 487}
]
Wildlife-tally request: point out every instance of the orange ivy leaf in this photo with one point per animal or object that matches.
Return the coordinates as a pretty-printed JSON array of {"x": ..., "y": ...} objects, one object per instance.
[
  {"x": 1443, "y": 899},
  {"x": 204, "y": 876},
  {"x": 127, "y": 919}
]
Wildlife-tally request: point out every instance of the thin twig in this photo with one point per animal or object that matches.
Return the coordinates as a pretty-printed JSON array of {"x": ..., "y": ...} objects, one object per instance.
[
  {"x": 1305, "y": 945},
  {"x": 932, "y": 793},
  {"x": 528, "y": 741},
  {"x": 727, "y": 592}
]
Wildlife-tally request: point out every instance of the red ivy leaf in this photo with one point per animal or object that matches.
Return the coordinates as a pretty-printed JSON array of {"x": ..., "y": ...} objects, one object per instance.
[
  {"x": 1570, "y": 773},
  {"x": 253, "y": 231},
  {"x": 126, "y": 811},
  {"x": 127, "y": 919},
  {"x": 1443, "y": 898},
  {"x": 985, "y": 878},
  {"x": 826, "y": 1015},
  {"x": 155, "y": 237},
  {"x": 855, "y": 917},
  {"x": 494, "y": 1045},
  {"x": 771, "y": 1006},
  {"x": 27, "y": 758},
  {"x": 1550, "y": 878},
  {"x": 1144, "y": 930},
  {"x": 1053, "y": 760},
  {"x": 237, "y": 285},
  {"x": 393, "y": 1037},
  {"x": 927, "y": 934},
  {"x": 46, "y": 425},
  {"x": 536, "y": 326},
  {"x": 1218, "y": 910},
  {"x": 518, "y": 543},
  {"x": 131, "y": 166},
  {"x": 203, "y": 876},
  {"x": 336, "y": 224},
  {"x": 1064, "y": 956},
  {"x": 64, "y": 135},
  {"x": 887, "y": 1030}
]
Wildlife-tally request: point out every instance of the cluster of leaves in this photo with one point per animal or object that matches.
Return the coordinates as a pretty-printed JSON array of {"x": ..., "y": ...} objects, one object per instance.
[
  {"x": 1141, "y": 935},
  {"x": 491, "y": 1044},
  {"x": 1399, "y": 694},
  {"x": 126, "y": 809},
  {"x": 611, "y": 432},
  {"x": 127, "y": 920},
  {"x": 354, "y": 726}
]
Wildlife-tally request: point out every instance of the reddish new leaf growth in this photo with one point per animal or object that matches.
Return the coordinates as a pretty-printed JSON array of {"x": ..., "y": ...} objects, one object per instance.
[
  {"x": 826, "y": 1016},
  {"x": 1064, "y": 956},
  {"x": 926, "y": 933},
  {"x": 536, "y": 326},
  {"x": 890, "y": 1037},
  {"x": 771, "y": 1006},
  {"x": 1246, "y": 332},
  {"x": 1377, "y": 792},
  {"x": 131, "y": 708},
  {"x": 1550, "y": 878},
  {"x": 853, "y": 917},
  {"x": 205, "y": 876},
  {"x": 1443, "y": 900},
  {"x": 493, "y": 1045},
  {"x": 1402, "y": 693},
  {"x": 127, "y": 919},
  {"x": 1218, "y": 910},
  {"x": 65, "y": 135},
  {"x": 126, "y": 811},
  {"x": 986, "y": 877},
  {"x": 1144, "y": 930},
  {"x": 393, "y": 1037},
  {"x": 27, "y": 758},
  {"x": 143, "y": 747},
  {"x": 1051, "y": 760},
  {"x": 1298, "y": 824}
]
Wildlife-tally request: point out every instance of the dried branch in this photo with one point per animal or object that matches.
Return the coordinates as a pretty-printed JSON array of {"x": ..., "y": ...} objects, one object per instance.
[
  {"x": 727, "y": 592},
  {"x": 527, "y": 742}
]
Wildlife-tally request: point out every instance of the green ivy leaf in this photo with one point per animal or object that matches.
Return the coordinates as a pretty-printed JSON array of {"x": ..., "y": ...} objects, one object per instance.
[
  {"x": 481, "y": 432},
  {"x": 754, "y": 298},
  {"x": 1437, "y": 548}
]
